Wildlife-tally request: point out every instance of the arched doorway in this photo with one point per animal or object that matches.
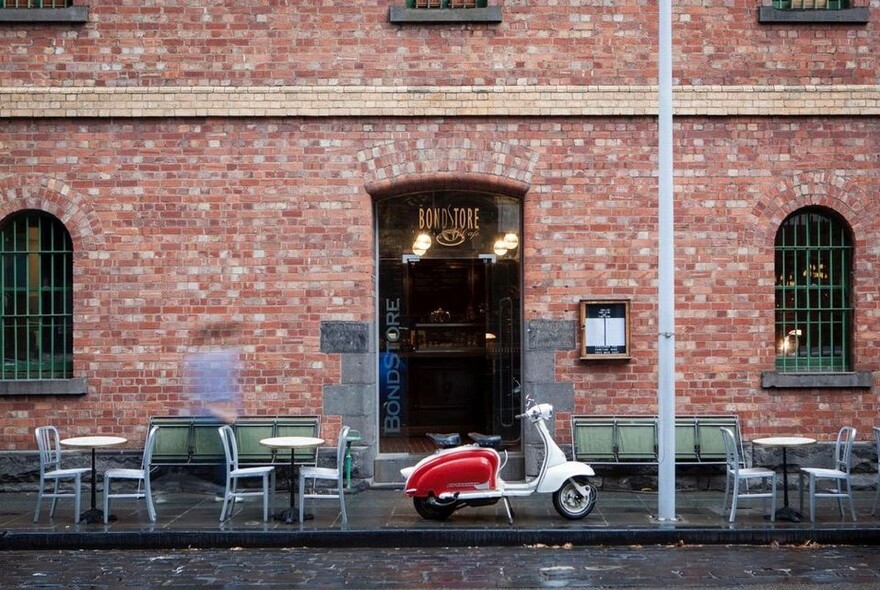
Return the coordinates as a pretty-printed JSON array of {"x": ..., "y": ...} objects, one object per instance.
[{"x": 449, "y": 355}]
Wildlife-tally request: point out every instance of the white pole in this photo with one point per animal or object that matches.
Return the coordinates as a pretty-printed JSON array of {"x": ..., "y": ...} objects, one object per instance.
[{"x": 665, "y": 275}]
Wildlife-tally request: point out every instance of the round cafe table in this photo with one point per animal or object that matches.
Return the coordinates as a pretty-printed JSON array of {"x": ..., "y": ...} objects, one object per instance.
[
  {"x": 93, "y": 514},
  {"x": 786, "y": 512},
  {"x": 293, "y": 443}
]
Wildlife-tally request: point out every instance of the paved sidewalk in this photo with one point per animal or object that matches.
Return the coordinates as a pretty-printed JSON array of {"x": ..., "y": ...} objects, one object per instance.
[{"x": 381, "y": 517}]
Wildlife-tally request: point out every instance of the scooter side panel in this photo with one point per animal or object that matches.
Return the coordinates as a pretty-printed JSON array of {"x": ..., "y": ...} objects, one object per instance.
[
  {"x": 471, "y": 469},
  {"x": 556, "y": 475}
]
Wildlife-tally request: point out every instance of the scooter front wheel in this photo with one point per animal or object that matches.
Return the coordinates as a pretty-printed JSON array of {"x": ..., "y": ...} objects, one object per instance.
[
  {"x": 433, "y": 509},
  {"x": 570, "y": 502}
]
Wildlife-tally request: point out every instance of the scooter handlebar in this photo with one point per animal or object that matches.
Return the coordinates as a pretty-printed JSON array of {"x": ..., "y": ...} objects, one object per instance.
[
  {"x": 527, "y": 414},
  {"x": 535, "y": 412}
]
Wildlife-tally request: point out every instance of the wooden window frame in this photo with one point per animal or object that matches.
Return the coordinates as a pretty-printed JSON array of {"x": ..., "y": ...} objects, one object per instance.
[{"x": 616, "y": 350}]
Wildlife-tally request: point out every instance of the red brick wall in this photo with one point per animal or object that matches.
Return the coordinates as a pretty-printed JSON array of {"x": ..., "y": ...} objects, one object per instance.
[
  {"x": 267, "y": 222},
  {"x": 177, "y": 221},
  {"x": 175, "y": 42}
]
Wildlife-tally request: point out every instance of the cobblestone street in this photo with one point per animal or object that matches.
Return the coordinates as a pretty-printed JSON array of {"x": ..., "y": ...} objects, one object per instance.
[{"x": 753, "y": 567}]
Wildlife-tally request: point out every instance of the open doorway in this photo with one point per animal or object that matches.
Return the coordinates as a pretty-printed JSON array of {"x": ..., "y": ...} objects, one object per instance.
[{"x": 449, "y": 308}]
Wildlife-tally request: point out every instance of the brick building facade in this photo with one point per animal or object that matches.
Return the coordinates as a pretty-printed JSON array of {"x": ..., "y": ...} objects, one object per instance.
[{"x": 226, "y": 161}]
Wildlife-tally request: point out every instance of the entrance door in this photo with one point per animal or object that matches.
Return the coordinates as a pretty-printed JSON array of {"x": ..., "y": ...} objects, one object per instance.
[
  {"x": 448, "y": 364},
  {"x": 449, "y": 355}
]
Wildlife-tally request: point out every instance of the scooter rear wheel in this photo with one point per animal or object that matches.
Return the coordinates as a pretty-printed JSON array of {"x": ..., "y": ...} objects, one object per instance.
[
  {"x": 433, "y": 509},
  {"x": 570, "y": 503}
]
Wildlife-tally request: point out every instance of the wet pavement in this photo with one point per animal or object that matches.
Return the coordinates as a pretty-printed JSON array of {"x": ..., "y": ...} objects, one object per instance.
[
  {"x": 188, "y": 517},
  {"x": 677, "y": 566}
]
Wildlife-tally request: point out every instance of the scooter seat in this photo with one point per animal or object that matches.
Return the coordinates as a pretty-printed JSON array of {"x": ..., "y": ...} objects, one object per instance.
[
  {"x": 445, "y": 441},
  {"x": 492, "y": 441}
]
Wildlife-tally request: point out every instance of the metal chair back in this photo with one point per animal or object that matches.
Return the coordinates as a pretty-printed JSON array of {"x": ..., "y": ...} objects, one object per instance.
[
  {"x": 50, "y": 448},
  {"x": 843, "y": 449},
  {"x": 230, "y": 447}
]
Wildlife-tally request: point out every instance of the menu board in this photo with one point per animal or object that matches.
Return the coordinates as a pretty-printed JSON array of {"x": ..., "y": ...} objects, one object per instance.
[{"x": 604, "y": 329}]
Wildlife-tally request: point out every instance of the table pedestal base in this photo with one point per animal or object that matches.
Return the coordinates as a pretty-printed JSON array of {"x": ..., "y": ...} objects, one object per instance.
[
  {"x": 788, "y": 513},
  {"x": 94, "y": 515},
  {"x": 291, "y": 515}
]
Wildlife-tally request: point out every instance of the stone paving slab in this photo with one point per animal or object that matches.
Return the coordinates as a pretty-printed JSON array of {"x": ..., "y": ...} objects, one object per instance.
[{"x": 380, "y": 517}]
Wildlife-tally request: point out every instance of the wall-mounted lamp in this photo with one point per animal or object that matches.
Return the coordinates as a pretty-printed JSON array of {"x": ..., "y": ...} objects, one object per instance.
[
  {"x": 511, "y": 240},
  {"x": 421, "y": 245},
  {"x": 791, "y": 343},
  {"x": 500, "y": 248}
]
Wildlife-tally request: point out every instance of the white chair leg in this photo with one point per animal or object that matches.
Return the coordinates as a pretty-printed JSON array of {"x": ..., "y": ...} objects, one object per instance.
[
  {"x": 107, "y": 481},
  {"x": 148, "y": 496},
  {"x": 800, "y": 493},
  {"x": 773, "y": 499},
  {"x": 342, "y": 501},
  {"x": 77, "y": 499},
  {"x": 812, "y": 498},
  {"x": 55, "y": 499},
  {"x": 763, "y": 500},
  {"x": 273, "y": 482},
  {"x": 302, "y": 500},
  {"x": 726, "y": 492},
  {"x": 233, "y": 496},
  {"x": 733, "y": 501},
  {"x": 39, "y": 500},
  {"x": 225, "y": 500},
  {"x": 852, "y": 506},
  {"x": 876, "y": 495},
  {"x": 265, "y": 497}
]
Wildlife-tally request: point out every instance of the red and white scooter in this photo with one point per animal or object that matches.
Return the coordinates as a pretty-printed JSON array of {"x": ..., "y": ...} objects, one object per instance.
[{"x": 469, "y": 475}]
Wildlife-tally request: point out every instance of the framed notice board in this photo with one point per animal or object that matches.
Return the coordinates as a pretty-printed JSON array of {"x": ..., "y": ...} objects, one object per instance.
[{"x": 604, "y": 329}]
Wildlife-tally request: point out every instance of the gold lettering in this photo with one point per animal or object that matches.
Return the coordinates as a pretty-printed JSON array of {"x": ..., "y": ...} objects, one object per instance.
[{"x": 458, "y": 218}]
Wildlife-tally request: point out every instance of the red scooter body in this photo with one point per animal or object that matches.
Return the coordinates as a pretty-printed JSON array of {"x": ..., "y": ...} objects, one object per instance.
[
  {"x": 462, "y": 469},
  {"x": 469, "y": 475}
]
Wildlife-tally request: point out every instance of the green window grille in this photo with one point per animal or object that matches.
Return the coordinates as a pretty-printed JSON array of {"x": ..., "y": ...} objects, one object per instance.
[
  {"x": 34, "y": 3},
  {"x": 811, "y": 4},
  {"x": 36, "y": 280},
  {"x": 813, "y": 293}
]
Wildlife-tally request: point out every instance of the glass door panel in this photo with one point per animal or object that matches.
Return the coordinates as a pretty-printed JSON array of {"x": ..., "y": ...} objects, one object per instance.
[{"x": 449, "y": 315}]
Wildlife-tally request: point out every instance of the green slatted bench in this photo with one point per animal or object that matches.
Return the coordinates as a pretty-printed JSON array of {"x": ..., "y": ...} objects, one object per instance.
[
  {"x": 190, "y": 440},
  {"x": 633, "y": 440}
]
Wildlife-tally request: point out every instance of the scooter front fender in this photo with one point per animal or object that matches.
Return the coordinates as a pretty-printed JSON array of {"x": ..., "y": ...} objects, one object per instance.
[{"x": 558, "y": 474}]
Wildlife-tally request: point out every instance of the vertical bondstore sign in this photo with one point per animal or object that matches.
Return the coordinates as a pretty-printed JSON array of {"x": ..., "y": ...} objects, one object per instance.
[{"x": 604, "y": 329}]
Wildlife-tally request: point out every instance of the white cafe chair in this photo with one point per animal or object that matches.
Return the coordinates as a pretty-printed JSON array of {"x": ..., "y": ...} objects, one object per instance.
[
  {"x": 737, "y": 474},
  {"x": 234, "y": 473},
  {"x": 877, "y": 445},
  {"x": 50, "y": 470},
  {"x": 326, "y": 473},
  {"x": 140, "y": 476},
  {"x": 839, "y": 474}
]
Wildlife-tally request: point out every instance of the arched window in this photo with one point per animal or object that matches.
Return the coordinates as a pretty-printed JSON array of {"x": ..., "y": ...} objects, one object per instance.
[
  {"x": 36, "y": 281},
  {"x": 814, "y": 293}
]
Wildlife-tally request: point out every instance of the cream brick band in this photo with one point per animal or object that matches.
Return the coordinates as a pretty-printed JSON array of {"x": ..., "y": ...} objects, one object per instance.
[{"x": 434, "y": 101}]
